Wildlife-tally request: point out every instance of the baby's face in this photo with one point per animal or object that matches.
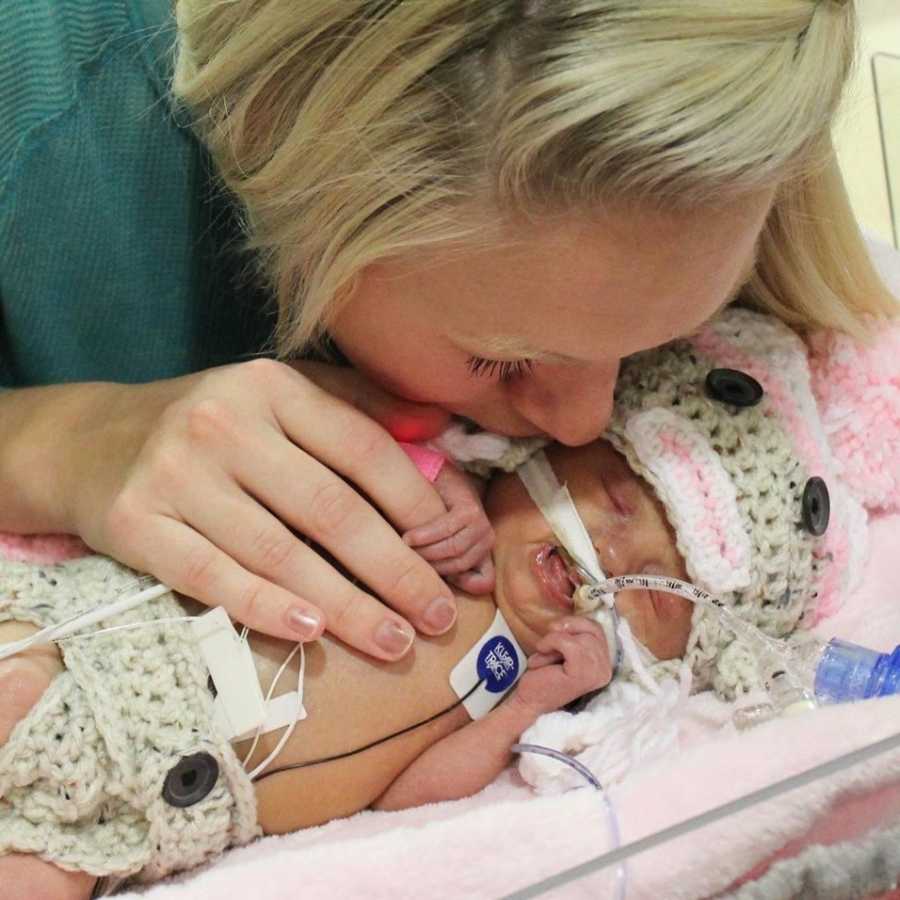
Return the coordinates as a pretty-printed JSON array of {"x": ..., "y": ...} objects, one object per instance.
[{"x": 630, "y": 533}]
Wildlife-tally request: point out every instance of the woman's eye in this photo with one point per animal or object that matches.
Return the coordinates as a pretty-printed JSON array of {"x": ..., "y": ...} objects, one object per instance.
[{"x": 504, "y": 370}]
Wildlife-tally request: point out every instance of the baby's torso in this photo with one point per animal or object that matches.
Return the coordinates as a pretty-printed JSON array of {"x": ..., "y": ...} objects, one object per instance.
[{"x": 352, "y": 702}]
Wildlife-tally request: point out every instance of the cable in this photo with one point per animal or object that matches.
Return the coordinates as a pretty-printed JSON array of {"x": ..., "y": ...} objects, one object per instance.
[
  {"x": 287, "y": 734},
  {"x": 390, "y": 737},
  {"x": 588, "y": 775},
  {"x": 83, "y": 619}
]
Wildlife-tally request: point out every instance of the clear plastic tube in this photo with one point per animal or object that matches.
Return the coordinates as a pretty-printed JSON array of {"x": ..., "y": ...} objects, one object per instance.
[
  {"x": 836, "y": 671},
  {"x": 588, "y": 775}
]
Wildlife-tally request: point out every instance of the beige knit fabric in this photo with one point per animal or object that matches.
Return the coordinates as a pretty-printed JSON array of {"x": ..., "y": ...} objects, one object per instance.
[
  {"x": 81, "y": 777},
  {"x": 757, "y": 454}
]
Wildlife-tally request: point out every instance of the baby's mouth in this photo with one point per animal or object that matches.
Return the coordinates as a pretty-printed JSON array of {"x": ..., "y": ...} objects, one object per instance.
[{"x": 552, "y": 573}]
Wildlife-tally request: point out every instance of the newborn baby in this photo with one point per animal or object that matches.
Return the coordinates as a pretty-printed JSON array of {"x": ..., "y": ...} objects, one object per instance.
[{"x": 119, "y": 769}]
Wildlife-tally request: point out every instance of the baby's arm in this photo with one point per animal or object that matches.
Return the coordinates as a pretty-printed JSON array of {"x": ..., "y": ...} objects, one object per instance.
[{"x": 572, "y": 659}]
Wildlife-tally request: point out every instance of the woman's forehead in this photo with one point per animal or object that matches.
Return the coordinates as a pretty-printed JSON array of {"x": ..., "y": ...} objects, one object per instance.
[{"x": 575, "y": 291}]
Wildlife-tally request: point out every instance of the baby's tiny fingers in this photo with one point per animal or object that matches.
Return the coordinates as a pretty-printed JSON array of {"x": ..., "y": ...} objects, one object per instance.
[
  {"x": 432, "y": 532},
  {"x": 469, "y": 559},
  {"x": 539, "y": 660},
  {"x": 578, "y": 625},
  {"x": 476, "y": 581}
]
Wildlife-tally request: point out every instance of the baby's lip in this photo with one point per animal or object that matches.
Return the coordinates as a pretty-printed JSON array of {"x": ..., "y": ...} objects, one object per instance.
[{"x": 553, "y": 578}]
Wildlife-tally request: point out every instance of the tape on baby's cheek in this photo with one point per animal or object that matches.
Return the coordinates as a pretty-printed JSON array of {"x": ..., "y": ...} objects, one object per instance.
[{"x": 556, "y": 504}]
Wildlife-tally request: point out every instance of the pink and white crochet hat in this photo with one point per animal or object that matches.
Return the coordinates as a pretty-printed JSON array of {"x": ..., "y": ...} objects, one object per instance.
[{"x": 764, "y": 455}]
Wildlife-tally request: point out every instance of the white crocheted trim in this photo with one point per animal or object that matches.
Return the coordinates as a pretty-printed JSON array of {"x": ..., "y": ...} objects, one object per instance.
[
  {"x": 622, "y": 728},
  {"x": 700, "y": 498}
]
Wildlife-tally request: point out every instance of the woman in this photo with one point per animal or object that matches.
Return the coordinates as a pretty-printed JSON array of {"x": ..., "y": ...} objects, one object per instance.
[{"x": 480, "y": 205}]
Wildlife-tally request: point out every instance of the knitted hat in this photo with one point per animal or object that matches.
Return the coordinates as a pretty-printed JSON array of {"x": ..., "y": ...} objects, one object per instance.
[{"x": 748, "y": 442}]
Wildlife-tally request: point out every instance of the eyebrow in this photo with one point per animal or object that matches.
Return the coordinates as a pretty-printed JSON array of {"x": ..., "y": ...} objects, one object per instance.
[{"x": 514, "y": 345}]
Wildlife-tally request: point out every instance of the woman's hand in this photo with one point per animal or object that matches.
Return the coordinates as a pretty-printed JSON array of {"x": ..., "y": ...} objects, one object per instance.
[{"x": 206, "y": 481}]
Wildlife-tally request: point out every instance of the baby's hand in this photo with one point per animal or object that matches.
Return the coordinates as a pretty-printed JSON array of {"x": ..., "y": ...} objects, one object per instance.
[
  {"x": 458, "y": 543},
  {"x": 572, "y": 659}
]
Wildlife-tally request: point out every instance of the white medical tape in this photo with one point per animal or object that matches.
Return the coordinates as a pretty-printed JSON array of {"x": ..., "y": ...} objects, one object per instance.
[
  {"x": 239, "y": 706},
  {"x": 558, "y": 508},
  {"x": 280, "y": 711}
]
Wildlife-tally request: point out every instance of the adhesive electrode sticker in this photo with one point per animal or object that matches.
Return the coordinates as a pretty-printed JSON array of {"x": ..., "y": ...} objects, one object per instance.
[
  {"x": 496, "y": 661},
  {"x": 497, "y": 665}
]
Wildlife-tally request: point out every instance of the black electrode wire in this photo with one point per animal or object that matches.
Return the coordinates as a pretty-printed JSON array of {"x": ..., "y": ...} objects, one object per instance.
[
  {"x": 390, "y": 737},
  {"x": 823, "y": 770}
]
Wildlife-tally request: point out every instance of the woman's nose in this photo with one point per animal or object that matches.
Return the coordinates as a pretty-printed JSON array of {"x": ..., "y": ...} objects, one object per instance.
[{"x": 571, "y": 405}]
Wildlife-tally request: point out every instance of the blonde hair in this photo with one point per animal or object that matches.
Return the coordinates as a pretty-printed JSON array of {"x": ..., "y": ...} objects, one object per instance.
[{"x": 356, "y": 130}]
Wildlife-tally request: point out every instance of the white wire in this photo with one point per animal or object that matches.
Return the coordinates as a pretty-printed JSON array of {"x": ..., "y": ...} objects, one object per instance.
[
  {"x": 696, "y": 595},
  {"x": 82, "y": 620},
  {"x": 259, "y": 732},
  {"x": 287, "y": 734},
  {"x": 127, "y": 625}
]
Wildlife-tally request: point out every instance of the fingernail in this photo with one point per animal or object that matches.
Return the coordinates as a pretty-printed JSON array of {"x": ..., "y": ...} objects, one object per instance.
[
  {"x": 393, "y": 638},
  {"x": 439, "y": 615},
  {"x": 305, "y": 624}
]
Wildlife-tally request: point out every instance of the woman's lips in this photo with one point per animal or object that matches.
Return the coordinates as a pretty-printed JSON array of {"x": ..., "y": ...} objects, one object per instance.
[{"x": 553, "y": 577}]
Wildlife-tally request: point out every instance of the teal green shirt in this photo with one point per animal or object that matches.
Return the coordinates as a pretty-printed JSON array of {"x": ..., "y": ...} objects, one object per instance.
[{"x": 119, "y": 258}]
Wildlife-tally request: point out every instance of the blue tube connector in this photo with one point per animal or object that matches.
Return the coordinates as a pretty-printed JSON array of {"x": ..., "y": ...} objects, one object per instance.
[{"x": 848, "y": 672}]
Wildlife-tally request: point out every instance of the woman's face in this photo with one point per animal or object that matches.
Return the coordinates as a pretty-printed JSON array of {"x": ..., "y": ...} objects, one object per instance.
[
  {"x": 630, "y": 533},
  {"x": 524, "y": 335}
]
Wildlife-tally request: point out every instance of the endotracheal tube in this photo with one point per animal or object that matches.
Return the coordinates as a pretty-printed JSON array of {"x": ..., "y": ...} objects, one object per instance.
[{"x": 799, "y": 675}]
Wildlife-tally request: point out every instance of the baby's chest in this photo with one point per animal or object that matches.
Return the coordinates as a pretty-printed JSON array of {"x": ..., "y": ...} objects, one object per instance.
[{"x": 364, "y": 726}]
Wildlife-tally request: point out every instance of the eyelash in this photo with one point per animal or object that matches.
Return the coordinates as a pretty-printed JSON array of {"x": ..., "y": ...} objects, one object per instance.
[{"x": 505, "y": 370}]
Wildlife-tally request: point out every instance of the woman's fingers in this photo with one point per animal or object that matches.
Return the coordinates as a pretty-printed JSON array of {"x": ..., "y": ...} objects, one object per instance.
[
  {"x": 404, "y": 420},
  {"x": 350, "y": 443},
  {"x": 320, "y": 505},
  {"x": 196, "y": 567},
  {"x": 264, "y": 547}
]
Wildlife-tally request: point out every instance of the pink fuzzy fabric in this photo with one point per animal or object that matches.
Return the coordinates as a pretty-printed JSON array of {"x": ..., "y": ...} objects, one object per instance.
[
  {"x": 858, "y": 389},
  {"x": 41, "y": 548}
]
